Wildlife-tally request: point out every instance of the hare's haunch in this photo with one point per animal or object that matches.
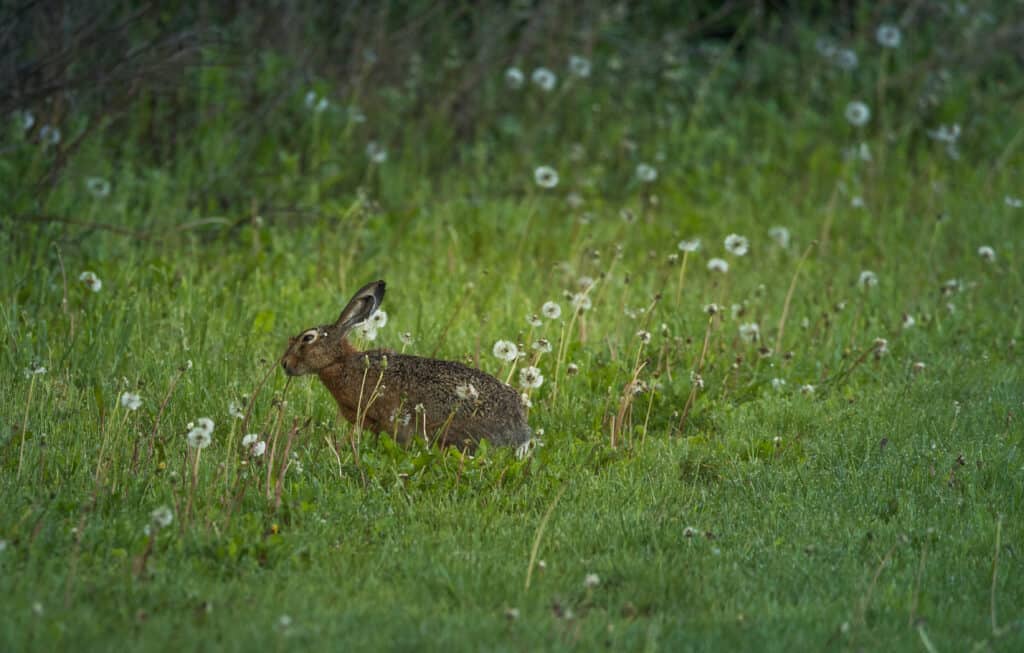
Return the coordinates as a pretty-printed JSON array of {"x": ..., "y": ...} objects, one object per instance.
[{"x": 406, "y": 396}]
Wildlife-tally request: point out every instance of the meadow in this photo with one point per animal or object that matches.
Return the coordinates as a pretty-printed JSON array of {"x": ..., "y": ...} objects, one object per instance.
[{"x": 769, "y": 281}]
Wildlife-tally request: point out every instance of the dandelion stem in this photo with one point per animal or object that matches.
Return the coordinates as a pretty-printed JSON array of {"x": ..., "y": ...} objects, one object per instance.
[
  {"x": 24, "y": 423},
  {"x": 700, "y": 366},
  {"x": 682, "y": 277},
  {"x": 540, "y": 533},
  {"x": 789, "y": 297}
]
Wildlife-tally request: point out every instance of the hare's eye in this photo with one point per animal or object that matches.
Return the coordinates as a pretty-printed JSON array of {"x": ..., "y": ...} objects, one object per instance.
[{"x": 309, "y": 337}]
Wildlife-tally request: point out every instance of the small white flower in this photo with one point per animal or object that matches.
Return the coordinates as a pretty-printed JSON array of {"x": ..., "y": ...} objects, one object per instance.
[
  {"x": 778, "y": 384},
  {"x": 579, "y": 66},
  {"x": 512, "y": 614},
  {"x": 375, "y": 153},
  {"x": 514, "y": 78},
  {"x": 867, "y": 279},
  {"x": 858, "y": 113},
  {"x": 780, "y": 235},
  {"x": 545, "y": 176},
  {"x": 162, "y": 517},
  {"x": 581, "y": 302},
  {"x": 49, "y": 134},
  {"x": 737, "y": 245},
  {"x": 857, "y": 202},
  {"x": 311, "y": 98},
  {"x": 530, "y": 378},
  {"x": 591, "y": 581},
  {"x": 718, "y": 265},
  {"x": 236, "y": 410},
  {"x": 888, "y": 36},
  {"x": 91, "y": 281},
  {"x": 1013, "y": 202},
  {"x": 544, "y": 79},
  {"x": 691, "y": 245},
  {"x": 321, "y": 105},
  {"x": 948, "y": 134},
  {"x": 524, "y": 399},
  {"x": 846, "y": 59},
  {"x": 551, "y": 310},
  {"x": 646, "y": 173},
  {"x": 908, "y": 321},
  {"x": 750, "y": 332},
  {"x": 131, "y": 401},
  {"x": 284, "y": 621},
  {"x": 807, "y": 389},
  {"x": 543, "y": 346},
  {"x": 505, "y": 350},
  {"x": 27, "y": 120},
  {"x": 3, "y": 545},
  {"x": 97, "y": 187},
  {"x": 987, "y": 253},
  {"x": 466, "y": 392}
]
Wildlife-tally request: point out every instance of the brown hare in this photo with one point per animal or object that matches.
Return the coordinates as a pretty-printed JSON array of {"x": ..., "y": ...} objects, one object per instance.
[{"x": 406, "y": 396}]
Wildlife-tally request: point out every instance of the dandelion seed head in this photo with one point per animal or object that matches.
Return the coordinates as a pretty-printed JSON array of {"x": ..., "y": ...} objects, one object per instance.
[
  {"x": 236, "y": 410},
  {"x": 888, "y": 36},
  {"x": 718, "y": 265},
  {"x": 572, "y": 369},
  {"x": 846, "y": 59},
  {"x": 551, "y": 310},
  {"x": 778, "y": 384},
  {"x": 644, "y": 336},
  {"x": 131, "y": 401},
  {"x": 530, "y": 378},
  {"x": 534, "y": 320},
  {"x": 591, "y": 581},
  {"x": 1013, "y": 202},
  {"x": 780, "y": 235},
  {"x": 542, "y": 345},
  {"x": 691, "y": 245},
  {"x": 908, "y": 321},
  {"x": 544, "y": 79},
  {"x": 162, "y": 517},
  {"x": 97, "y": 187},
  {"x": 646, "y": 173},
  {"x": 867, "y": 279},
  {"x": 987, "y": 253},
  {"x": 579, "y": 66},
  {"x": 375, "y": 153},
  {"x": 514, "y": 78},
  {"x": 379, "y": 319},
  {"x": 857, "y": 113},
  {"x": 545, "y": 177},
  {"x": 405, "y": 338},
  {"x": 91, "y": 281},
  {"x": 581, "y": 302},
  {"x": 737, "y": 245},
  {"x": 807, "y": 389},
  {"x": 750, "y": 332},
  {"x": 505, "y": 350}
]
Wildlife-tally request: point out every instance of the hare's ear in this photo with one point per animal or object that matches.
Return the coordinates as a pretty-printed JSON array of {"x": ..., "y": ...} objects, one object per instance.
[{"x": 361, "y": 306}]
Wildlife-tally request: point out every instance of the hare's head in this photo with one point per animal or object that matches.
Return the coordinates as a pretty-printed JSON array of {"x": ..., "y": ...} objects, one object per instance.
[{"x": 319, "y": 347}]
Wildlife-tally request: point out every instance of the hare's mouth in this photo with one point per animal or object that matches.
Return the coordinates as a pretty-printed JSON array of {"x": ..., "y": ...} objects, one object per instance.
[{"x": 290, "y": 371}]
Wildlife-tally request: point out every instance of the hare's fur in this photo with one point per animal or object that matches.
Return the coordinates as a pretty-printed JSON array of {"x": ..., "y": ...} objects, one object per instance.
[{"x": 406, "y": 396}]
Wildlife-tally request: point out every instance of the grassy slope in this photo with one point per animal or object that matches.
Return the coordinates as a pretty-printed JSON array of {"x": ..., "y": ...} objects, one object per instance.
[{"x": 856, "y": 526}]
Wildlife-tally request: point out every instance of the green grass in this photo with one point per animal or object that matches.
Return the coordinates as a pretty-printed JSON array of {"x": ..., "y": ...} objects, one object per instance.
[{"x": 882, "y": 511}]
